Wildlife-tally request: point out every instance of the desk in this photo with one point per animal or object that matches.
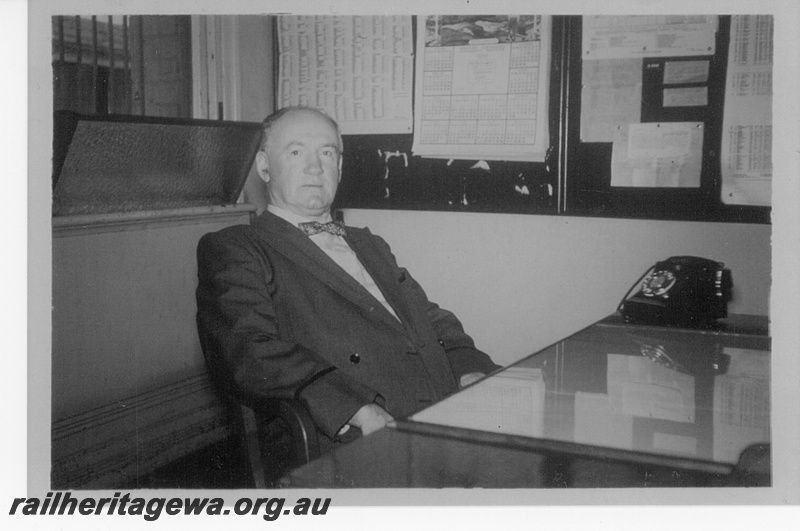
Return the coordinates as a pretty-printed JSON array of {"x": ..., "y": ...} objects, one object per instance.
[{"x": 614, "y": 405}]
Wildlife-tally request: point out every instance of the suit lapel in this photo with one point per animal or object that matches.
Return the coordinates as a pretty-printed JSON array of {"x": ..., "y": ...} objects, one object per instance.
[
  {"x": 380, "y": 271},
  {"x": 289, "y": 241}
]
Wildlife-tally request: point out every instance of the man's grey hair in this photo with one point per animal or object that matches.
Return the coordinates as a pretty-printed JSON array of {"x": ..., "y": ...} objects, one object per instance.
[{"x": 270, "y": 121}]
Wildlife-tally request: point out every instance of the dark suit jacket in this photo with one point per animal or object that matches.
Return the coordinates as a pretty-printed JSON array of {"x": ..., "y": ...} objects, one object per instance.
[{"x": 278, "y": 317}]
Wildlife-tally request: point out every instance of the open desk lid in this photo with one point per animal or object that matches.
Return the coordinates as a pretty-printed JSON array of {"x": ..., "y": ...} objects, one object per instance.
[{"x": 115, "y": 163}]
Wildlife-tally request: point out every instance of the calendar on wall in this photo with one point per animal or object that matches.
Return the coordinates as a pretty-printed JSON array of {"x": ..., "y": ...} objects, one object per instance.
[{"x": 481, "y": 87}]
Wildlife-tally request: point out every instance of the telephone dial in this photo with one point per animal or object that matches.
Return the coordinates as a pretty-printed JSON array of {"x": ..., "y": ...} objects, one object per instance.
[{"x": 683, "y": 291}]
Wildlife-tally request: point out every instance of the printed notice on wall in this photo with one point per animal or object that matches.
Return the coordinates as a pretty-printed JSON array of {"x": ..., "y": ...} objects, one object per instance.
[
  {"x": 611, "y": 96},
  {"x": 358, "y": 69},
  {"x": 747, "y": 121},
  {"x": 627, "y": 36},
  {"x": 481, "y": 87},
  {"x": 612, "y": 52},
  {"x": 658, "y": 155}
]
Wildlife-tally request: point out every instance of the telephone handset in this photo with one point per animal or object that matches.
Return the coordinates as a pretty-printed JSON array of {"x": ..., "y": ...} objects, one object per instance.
[{"x": 680, "y": 291}]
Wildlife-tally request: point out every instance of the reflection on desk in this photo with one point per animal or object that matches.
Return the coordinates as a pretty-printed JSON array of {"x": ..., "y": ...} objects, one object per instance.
[
  {"x": 511, "y": 402},
  {"x": 667, "y": 392},
  {"x": 613, "y": 405}
]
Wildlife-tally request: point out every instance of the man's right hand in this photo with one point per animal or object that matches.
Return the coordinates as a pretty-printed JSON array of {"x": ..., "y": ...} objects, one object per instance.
[{"x": 370, "y": 418}]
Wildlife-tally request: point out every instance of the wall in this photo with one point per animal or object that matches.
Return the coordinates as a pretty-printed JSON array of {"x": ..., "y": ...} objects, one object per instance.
[
  {"x": 520, "y": 283},
  {"x": 130, "y": 390},
  {"x": 124, "y": 306},
  {"x": 256, "y": 91}
]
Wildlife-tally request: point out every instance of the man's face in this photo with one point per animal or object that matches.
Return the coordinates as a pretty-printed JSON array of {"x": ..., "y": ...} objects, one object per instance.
[{"x": 302, "y": 163}]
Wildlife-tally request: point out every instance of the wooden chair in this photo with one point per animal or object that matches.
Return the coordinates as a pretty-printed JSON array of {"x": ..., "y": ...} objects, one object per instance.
[{"x": 277, "y": 435}]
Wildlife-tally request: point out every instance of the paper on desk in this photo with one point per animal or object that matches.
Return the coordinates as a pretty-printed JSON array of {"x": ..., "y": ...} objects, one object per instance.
[
  {"x": 511, "y": 402},
  {"x": 665, "y": 154}
]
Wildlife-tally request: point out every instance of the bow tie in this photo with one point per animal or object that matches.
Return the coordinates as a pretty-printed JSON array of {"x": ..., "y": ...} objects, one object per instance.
[{"x": 311, "y": 228}]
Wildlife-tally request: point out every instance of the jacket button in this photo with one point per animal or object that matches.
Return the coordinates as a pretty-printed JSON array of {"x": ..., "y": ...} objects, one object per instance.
[{"x": 355, "y": 358}]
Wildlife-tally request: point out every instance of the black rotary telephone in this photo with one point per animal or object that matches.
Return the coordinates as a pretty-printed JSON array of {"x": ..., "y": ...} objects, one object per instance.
[{"x": 680, "y": 291}]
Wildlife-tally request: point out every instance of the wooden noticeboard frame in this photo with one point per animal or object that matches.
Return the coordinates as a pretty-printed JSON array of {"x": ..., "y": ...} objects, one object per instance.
[{"x": 587, "y": 177}]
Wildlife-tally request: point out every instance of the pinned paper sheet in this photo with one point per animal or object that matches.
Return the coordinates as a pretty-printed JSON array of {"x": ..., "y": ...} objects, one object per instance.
[
  {"x": 676, "y": 72},
  {"x": 611, "y": 95},
  {"x": 686, "y": 97},
  {"x": 663, "y": 155},
  {"x": 746, "y": 161},
  {"x": 358, "y": 69},
  {"x": 615, "y": 37}
]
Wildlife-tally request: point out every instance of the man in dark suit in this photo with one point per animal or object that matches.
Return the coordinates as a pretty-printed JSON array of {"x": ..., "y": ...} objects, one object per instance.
[{"x": 295, "y": 305}]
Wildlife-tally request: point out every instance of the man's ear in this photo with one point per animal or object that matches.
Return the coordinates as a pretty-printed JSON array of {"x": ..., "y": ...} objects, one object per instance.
[
  {"x": 262, "y": 166},
  {"x": 340, "y": 168}
]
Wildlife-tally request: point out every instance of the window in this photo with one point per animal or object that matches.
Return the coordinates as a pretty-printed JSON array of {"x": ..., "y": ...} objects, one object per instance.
[{"x": 123, "y": 65}]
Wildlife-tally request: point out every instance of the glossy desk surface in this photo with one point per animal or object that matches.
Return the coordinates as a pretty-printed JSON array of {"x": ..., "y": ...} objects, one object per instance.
[{"x": 613, "y": 405}]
